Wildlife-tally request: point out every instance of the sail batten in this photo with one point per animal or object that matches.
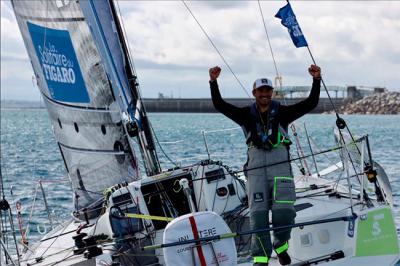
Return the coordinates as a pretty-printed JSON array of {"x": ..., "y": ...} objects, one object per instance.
[
  {"x": 82, "y": 150},
  {"x": 81, "y": 108},
  {"x": 43, "y": 19}
]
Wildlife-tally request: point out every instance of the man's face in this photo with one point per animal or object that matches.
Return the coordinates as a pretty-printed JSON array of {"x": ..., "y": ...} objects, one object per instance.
[{"x": 263, "y": 96}]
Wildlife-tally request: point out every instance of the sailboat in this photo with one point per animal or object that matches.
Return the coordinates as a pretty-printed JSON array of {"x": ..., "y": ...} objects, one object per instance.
[{"x": 187, "y": 215}]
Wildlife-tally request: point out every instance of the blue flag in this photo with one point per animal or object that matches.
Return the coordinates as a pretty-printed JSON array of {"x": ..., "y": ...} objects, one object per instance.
[{"x": 288, "y": 19}]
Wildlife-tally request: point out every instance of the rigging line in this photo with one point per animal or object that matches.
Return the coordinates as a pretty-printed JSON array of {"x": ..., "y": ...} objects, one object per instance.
[
  {"x": 7, "y": 255},
  {"x": 346, "y": 150},
  {"x": 311, "y": 150},
  {"x": 352, "y": 217},
  {"x": 277, "y": 163},
  {"x": 216, "y": 49},
  {"x": 334, "y": 184},
  {"x": 126, "y": 37},
  {"x": 66, "y": 258},
  {"x": 220, "y": 130},
  {"x": 31, "y": 212},
  {"x": 269, "y": 42},
  {"x": 4, "y": 236},
  {"x": 131, "y": 61},
  {"x": 11, "y": 219},
  {"x": 132, "y": 254},
  {"x": 122, "y": 37},
  {"x": 201, "y": 187},
  {"x": 67, "y": 249},
  {"x": 299, "y": 150},
  {"x": 52, "y": 243},
  {"x": 93, "y": 192},
  {"x": 97, "y": 221},
  {"x": 61, "y": 250},
  {"x": 2, "y": 195},
  {"x": 161, "y": 148},
  {"x": 318, "y": 149}
]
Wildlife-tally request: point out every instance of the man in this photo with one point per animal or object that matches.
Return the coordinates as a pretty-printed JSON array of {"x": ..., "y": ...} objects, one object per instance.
[{"x": 270, "y": 183}]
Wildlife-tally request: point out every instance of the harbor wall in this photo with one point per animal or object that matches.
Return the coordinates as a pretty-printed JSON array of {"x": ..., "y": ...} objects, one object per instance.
[{"x": 176, "y": 105}]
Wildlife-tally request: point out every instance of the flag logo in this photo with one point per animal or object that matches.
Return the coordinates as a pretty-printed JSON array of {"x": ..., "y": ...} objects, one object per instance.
[{"x": 288, "y": 19}]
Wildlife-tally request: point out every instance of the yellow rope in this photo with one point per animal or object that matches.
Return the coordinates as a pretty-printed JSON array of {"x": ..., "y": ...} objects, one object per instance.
[{"x": 149, "y": 217}]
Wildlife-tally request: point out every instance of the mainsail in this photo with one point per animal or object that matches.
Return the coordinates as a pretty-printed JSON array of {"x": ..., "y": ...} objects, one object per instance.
[{"x": 85, "y": 94}]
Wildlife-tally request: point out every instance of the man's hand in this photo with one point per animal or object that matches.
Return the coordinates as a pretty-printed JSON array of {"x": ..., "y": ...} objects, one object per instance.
[
  {"x": 214, "y": 73},
  {"x": 315, "y": 71}
]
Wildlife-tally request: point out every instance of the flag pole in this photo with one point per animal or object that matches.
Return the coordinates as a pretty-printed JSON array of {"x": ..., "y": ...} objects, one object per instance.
[
  {"x": 322, "y": 80},
  {"x": 323, "y": 83},
  {"x": 341, "y": 124}
]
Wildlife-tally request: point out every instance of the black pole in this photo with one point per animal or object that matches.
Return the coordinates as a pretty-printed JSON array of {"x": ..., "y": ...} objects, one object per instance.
[
  {"x": 312, "y": 152},
  {"x": 340, "y": 122}
]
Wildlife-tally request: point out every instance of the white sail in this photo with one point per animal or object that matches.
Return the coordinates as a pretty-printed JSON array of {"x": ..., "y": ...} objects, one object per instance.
[{"x": 78, "y": 96}]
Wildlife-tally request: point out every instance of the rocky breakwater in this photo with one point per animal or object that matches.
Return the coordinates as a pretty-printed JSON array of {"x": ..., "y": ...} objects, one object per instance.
[{"x": 380, "y": 103}]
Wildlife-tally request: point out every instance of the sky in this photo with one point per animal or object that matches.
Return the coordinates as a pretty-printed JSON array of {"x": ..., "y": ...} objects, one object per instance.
[{"x": 354, "y": 42}]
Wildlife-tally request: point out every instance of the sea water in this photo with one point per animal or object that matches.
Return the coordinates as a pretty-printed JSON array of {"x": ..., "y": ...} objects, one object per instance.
[{"x": 29, "y": 154}]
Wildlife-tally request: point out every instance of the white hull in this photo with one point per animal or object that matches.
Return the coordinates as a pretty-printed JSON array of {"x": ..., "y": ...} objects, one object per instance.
[{"x": 307, "y": 243}]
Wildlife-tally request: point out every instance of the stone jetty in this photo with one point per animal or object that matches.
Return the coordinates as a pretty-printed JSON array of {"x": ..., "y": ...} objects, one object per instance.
[{"x": 379, "y": 103}]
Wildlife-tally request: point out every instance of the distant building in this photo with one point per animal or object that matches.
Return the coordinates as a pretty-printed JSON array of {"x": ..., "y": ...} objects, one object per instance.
[{"x": 355, "y": 93}]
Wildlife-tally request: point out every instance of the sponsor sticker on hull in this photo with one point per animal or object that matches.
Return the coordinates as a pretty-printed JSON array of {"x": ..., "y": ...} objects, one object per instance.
[{"x": 377, "y": 234}]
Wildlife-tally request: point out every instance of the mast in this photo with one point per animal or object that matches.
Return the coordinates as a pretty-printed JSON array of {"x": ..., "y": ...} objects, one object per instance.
[
  {"x": 109, "y": 38},
  {"x": 145, "y": 136}
]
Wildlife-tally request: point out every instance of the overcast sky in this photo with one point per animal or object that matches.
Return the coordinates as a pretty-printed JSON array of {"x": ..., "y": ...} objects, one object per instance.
[{"x": 355, "y": 43}]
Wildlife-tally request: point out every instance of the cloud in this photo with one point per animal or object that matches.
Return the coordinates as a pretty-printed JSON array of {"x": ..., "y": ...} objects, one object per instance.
[{"x": 354, "y": 42}]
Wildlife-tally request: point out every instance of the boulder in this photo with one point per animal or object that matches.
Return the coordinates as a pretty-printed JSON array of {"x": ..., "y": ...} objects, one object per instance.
[{"x": 381, "y": 103}]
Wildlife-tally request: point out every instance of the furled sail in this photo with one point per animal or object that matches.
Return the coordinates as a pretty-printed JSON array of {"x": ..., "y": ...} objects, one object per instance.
[{"x": 82, "y": 104}]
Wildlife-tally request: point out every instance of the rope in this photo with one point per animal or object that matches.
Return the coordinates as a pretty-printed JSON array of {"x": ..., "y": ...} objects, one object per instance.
[
  {"x": 2, "y": 195},
  {"x": 216, "y": 49},
  {"x": 161, "y": 148},
  {"x": 280, "y": 162},
  {"x": 132, "y": 63},
  {"x": 269, "y": 42},
  {"x": 148, "y": 217},
  {"x": 353, "y": 217},
  {"x": 259, "y": 167}
]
